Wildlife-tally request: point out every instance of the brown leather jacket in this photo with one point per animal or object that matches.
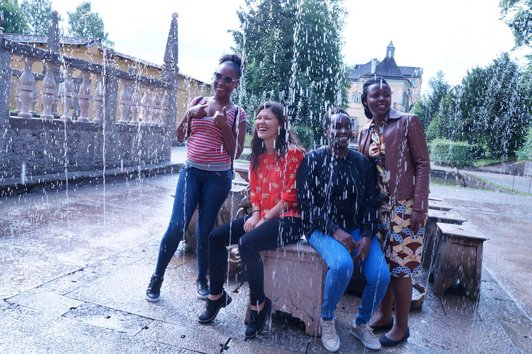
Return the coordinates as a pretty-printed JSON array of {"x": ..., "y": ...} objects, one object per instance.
[{"x": 406, "y": 159}]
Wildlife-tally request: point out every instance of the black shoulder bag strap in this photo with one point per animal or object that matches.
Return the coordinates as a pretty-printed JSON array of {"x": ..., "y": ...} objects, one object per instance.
[{"x": 237, "y": 115}]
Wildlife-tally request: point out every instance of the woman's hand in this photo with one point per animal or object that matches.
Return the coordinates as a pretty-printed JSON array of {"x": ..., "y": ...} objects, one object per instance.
[
  {"x": 345, "y": 239},
  {"x": 220, "y": 119},
  {"x": 252, "y": 222},
  {"x": 363, "y": 247},
  {"x": 374, "y": 150},
  {"x": 198, "y": 111},
  {"x": 183, "y": 128},
  {"x": 417, "y": 219}
]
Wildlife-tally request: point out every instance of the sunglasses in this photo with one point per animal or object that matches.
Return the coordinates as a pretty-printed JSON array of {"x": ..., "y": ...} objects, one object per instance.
[{"x": 225, "y": 79}]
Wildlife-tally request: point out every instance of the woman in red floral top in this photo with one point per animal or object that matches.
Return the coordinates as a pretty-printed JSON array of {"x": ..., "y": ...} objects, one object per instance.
[{"x": 274, "y": 221}]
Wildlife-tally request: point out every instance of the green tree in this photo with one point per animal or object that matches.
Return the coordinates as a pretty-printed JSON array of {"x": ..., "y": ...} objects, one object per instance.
[
  {"x": 490, "y": 110},
  {"x": 293, "y": 55},
  {"x": 429, "y": 105},
  {"x": 510, "y": 112},
  {"x": 38, "y": 15},
  {"x": 13, "y": 19},
  {"x": 518, "y": 16},
  {"x": 85, "y": 23}
]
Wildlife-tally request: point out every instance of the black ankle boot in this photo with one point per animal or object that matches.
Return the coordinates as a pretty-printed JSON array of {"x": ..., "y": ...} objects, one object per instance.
[
  {"x": 154, "y": 288},
  {"x": 257, "y": 320},
  {"x": 212, "y": 308}
]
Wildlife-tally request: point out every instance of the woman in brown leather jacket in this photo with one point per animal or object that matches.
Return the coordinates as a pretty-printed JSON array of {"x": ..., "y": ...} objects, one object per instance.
[{"x": 396, "y": 144}]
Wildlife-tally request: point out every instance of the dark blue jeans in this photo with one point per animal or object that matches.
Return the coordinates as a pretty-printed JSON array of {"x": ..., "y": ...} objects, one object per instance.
[{"x": 205, "y": 189}]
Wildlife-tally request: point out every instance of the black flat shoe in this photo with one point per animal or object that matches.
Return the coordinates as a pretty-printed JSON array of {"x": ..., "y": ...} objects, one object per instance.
[
  {"x": 257, "y": 320},
  {"x": 387, "y": 342},
  {"x": 213, "y": 307},
  {"x": 385, "y": 327}
]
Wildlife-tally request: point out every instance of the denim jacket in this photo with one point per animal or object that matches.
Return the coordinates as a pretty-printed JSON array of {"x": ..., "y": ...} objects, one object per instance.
[{"x": 313, "y": 184}]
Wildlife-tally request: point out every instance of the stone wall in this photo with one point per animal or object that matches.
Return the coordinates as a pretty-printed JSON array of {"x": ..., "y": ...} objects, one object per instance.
[
  {"x": 33, "y": 147},
  {"x": 74, "y": 117}
]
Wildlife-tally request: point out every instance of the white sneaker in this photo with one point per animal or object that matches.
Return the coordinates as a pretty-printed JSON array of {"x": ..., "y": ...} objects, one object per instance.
[
  {"x": 364, "y": 333},
  {"x": 329, "y": 337}
]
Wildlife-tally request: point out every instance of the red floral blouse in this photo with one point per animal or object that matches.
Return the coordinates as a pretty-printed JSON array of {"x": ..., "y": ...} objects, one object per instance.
[{"x": 275, "y": 179}]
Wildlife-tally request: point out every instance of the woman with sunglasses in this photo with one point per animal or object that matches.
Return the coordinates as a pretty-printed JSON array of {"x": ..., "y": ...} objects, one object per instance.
[
  {"x": 214, "y": 128},
  {"x": 273, "y": 222}
]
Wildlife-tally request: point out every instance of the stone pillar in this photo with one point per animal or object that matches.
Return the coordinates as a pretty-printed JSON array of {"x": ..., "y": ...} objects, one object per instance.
[
  {"x": 97, "y": 99},
  {"x": 5, "y": 91},
  {"x": 53, "y": 33},
  {"x": 163, "y": 110},
  {"x": 110, "y": 86},
  {"x": 124, "y": 105},
  {"x": 26, "y": 88},
  {"x": 53, "y": 46},
  {"x": 49, "y": 90},
  {"x": 84, "y": 96},
  {"x": 144, "y": 109},
  {"x": 154, "y": 107},
  {"x": 169, "y": 74},
  {"x": 5, "y": 83},
  {"x": 66, "y": 95},
  {"x": 135, "y": 101}
]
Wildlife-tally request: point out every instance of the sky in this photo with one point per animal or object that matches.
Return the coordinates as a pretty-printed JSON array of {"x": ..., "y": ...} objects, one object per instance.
[{"x": 453, "y": 36}]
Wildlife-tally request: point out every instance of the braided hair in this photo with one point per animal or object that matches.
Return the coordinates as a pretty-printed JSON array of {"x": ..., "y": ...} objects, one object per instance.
[{"x": 365, "y": 88}]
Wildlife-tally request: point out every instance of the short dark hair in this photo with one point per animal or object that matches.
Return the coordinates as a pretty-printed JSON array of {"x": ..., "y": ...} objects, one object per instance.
[
  {"x": 284, "y": 138},
  {"x": 235, "y": 60},
  {"x": 376, "y": 80},
  {"x": 326, "y": 120}
]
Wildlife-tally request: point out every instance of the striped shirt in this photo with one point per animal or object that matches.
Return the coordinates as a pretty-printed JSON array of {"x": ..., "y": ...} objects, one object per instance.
[{"x": 205, "y": 145}]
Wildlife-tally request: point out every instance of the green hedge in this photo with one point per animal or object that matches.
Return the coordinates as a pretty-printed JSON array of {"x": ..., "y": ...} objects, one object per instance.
[{"x": 450, "y": 153}]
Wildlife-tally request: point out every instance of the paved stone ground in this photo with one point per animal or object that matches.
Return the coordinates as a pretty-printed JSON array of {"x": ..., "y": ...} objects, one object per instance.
[{"x": 74, "y": 266}]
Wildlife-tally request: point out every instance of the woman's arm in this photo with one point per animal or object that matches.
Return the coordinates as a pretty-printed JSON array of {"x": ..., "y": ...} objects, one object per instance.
[
  {"x": 182, "y": 127},
  {"x": 293, "y": 159},
  {"x": 194, "y": 111},
  {"x": 420, "y": 157},
  {"x": 254, "y": 219}
]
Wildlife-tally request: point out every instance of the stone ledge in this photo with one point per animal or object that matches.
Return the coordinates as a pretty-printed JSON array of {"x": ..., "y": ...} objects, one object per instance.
[{"x": 12, "y": 186}]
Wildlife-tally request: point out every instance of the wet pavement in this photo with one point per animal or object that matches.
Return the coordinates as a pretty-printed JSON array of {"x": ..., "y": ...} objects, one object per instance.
[{"x": 74, "y": 266}]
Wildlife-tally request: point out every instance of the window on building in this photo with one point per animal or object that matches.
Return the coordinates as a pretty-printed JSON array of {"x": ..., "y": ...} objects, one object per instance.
[{"x": 355, "y": 97}]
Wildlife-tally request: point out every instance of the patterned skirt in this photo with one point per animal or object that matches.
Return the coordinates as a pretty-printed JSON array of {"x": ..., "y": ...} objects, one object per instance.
[{"x": 402, "y": 248}]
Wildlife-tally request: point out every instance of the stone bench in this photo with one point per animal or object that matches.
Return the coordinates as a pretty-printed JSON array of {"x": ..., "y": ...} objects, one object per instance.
[
  {"x": 458, "y": 259},
  {"x": 435, "y": 198},
  {"x": 439, "y": 205},
  {"x": 430, "y": 241},
  {"x": 294, "y": 281}
]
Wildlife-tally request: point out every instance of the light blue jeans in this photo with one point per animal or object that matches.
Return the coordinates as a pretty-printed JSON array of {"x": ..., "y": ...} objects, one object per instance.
[{"x": 340, "y": 264}]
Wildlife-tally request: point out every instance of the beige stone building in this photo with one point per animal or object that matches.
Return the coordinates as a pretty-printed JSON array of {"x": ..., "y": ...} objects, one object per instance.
[{"x": 405, "y": 82}]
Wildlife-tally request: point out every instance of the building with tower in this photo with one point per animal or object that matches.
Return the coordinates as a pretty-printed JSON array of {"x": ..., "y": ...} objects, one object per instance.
[{"x": 405, "y": 82}]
